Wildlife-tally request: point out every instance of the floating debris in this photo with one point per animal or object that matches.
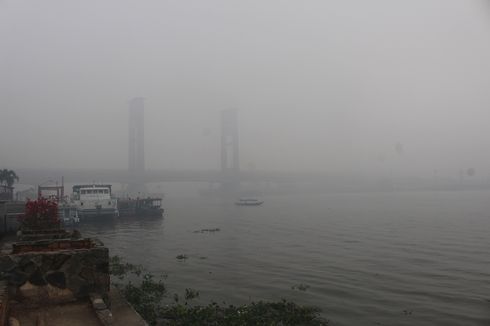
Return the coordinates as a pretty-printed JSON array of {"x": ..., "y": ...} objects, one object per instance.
[
  {"x": 300, "y": 287},
  {"x": 207, "y": 230},
  {"x": 407, "y": 312},
  {"x": 182, "y": 257}
]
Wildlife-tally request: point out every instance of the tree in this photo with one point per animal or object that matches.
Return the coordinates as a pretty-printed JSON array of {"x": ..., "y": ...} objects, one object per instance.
[{"x": 9, "y": 177}]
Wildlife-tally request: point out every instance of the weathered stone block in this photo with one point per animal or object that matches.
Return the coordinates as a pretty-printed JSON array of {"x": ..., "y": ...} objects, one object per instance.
[
  {"x": 46, "y": 263},
  {"x": 37, "y": 278},
  {"x": 57, "y": 294},
  {"x": 105, "y": 316},
  {"x": 29, "y": 290},
  {"x": 78, "y": 286},
  {"x": 56, "y": 279},
  {"x": 103, "y": 268},
  {"x": 26, "y": 264},
  {"x": 17, "y": 277},
  {"x": 73, "y": 265},
  {"x": 45, "y": 275},
  {"x": 7, "y": 264},
  {"x": 58, "y": 260},
  {"x": 87, "y": 274},
  {"x": 99, "y": 304},
  {"x": 29, "y": 268}
]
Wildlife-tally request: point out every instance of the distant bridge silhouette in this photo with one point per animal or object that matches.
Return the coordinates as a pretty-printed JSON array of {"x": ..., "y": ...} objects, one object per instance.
[
  {"x": 228, "y": 176},
  {"x": 38, "y": 176}
]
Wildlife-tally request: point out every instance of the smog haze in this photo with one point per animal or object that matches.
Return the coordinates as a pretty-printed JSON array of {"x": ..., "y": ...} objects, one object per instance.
[{"x": 341, "y": 87}]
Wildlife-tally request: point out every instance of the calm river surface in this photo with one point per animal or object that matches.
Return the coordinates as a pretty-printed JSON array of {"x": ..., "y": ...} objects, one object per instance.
[{"x": 404, "y": 258}]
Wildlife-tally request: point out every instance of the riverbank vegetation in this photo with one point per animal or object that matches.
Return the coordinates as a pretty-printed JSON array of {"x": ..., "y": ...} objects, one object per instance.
[{"x": 148, "y": 295}]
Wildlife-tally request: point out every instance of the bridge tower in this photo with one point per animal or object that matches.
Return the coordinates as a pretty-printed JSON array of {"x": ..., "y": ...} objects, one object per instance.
[
  {"x": 136, "y": 145},
  {"x": 230, "y": 159}
]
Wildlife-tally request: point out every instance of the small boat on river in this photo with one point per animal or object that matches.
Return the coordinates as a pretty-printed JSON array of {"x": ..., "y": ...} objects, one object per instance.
[{"x": 249, "y": 202}]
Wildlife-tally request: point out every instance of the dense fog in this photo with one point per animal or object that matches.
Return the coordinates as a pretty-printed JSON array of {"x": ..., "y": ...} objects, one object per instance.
[{"x": 343, "y": 87}]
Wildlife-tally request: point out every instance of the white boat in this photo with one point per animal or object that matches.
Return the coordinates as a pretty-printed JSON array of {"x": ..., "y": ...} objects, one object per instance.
[
  {"x": 94, "y": 201},
  {"x": 249, "y": 202}
]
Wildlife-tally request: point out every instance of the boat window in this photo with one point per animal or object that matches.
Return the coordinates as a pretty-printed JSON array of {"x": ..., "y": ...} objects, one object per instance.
[
  {"x": 106, "y": 191},
  {"x": 89, "y": 191},
  {"x": 84, "y": 192},
  {"x": 100, "y": 191}
]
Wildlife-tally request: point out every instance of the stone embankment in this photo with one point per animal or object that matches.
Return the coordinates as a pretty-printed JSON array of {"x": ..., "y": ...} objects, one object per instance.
[
  {"x": 49, "y": 276},
  {"x": 59, "y": 270}
]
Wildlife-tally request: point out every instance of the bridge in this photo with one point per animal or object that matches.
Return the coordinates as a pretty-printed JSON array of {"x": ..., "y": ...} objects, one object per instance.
[
  {"x": 229, "y": 176},
  {"x": 38, "y": 176}
]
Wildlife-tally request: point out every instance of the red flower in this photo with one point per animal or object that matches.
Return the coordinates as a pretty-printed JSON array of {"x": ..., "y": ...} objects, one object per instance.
[{"x": 40, "y": 213}]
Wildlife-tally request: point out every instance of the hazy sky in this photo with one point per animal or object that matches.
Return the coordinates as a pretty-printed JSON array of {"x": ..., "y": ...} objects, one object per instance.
[{"x": 320, "y": 85}]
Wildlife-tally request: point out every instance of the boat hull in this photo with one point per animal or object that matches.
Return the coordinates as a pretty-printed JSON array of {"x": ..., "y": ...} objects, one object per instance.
[
  {"x": 249, "y": 204},
  {"x": 141, "y": 212},
  {"x": 104, "y": 212}
]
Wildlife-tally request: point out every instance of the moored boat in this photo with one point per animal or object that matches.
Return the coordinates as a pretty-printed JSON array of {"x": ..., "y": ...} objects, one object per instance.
[
  {"x": 94, "y": 201},
  {"x": 139, "y": 207}
]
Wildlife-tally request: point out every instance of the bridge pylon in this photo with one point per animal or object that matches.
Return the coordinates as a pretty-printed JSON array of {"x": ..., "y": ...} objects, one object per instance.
[
  {"x": 136, "y": 145},
  {"x": 230, "y": 155}
]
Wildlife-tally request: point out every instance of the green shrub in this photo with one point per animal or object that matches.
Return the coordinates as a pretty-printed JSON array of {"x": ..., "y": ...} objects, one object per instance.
[{"x": 145, "y": 294}]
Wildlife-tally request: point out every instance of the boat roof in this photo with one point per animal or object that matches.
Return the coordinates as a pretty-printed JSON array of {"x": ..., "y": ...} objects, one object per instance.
[
  {"x": 146, "y": 199},
  {"x": 76, "y": 188}
]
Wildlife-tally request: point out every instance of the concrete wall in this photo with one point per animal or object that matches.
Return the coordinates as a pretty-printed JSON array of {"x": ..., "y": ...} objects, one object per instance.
[{"x": 57, "y": 275}]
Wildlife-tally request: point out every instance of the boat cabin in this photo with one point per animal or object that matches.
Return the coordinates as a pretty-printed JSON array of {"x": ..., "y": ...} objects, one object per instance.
[{"x": 92, "y": 192}]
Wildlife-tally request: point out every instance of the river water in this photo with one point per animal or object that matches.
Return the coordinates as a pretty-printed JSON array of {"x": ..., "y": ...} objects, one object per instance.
[{"x": 402, "y": 258}]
